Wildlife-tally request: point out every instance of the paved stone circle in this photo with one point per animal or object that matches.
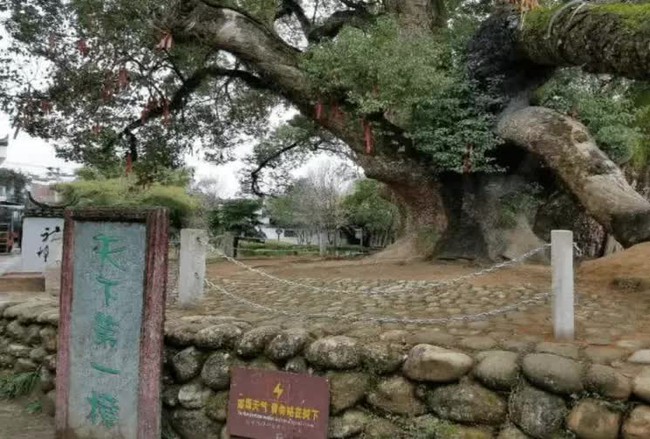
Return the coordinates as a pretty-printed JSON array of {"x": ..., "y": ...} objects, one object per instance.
[{"x": 354, "y": 307}]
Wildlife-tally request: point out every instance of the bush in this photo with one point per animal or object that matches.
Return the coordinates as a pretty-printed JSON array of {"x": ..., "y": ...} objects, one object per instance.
[{"x": 122, "y": 192}]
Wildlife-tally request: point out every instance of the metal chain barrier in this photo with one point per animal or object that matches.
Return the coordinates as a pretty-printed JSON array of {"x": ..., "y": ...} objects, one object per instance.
[
  {"x": 434, "y": 321},
  {"x": 383, "y": 292}
]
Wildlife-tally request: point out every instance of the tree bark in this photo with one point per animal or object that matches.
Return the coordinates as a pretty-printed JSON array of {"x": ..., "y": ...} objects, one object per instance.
[
  {"x": 566, "y": 147},
  {"x": 418, "y": 15},
  {"x": 600, "y": 37}
]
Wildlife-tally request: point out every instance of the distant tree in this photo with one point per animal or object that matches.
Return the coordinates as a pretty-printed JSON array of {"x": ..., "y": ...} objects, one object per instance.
[
  {"x": 241, "y": 217},
  {"x": 313, "y": 204},
  {"x": 15, "y": 184},
  {"x": 211, "y": 190},
  {"x": 366, "y": 209}
]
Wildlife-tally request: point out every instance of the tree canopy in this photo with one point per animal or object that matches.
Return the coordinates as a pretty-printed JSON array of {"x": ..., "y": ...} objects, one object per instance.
[
  {"x": 417, "y": 92},
  {"x": 241, "y": 217}
]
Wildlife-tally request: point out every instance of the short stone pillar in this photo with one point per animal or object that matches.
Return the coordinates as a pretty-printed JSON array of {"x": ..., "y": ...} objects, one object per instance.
[
  {"x": 194, "y": 246},
  {"x": 563, "y": 288},
  {"x": 228, "y": 245}
]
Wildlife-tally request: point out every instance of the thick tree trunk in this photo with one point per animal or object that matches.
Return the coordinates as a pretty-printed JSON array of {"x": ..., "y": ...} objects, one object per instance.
[
  {"x": 602, "y": 38},
  {"x": 418, "y": 15},
  {"x": 567, "y": 148},
  {"x": 412, "y": 187},
  {"x": 599, "y": 37},
  {"x": 484, "y": 223}
]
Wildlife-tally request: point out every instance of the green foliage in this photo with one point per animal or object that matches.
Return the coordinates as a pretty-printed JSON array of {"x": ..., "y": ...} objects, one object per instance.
[
  {"x": 378, "y": 69},
  {"x": 17, "y": 385},
  {"x": 605, "y": 106},
  {"x": 456, "y": 128},
  {"x": 286, "y": 148},
  {"x": 417, "y": 81},
  {"x": 79, "y": 100},
  {"x": 641, "y": 95},
  {"x": 282, "y": 211},
  {"x": 124, "y": 192},
  {"x": 34, "y": 407},
  {"x": 240, "y": 217},
  {"x": 263, "y": 10},
  {"x": 15, "y": 183},
  {"x": 366, "y": 208}
]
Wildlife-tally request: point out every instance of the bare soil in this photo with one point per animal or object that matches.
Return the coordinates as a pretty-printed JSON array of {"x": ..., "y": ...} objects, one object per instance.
[{"x": 16, "y": 423}]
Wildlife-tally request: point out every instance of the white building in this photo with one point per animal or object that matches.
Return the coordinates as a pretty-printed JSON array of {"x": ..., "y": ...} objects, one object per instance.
[{"x": 4, "y": 146}]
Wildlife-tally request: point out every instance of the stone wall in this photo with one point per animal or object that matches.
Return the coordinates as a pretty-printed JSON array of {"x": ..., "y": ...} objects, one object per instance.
[{"x": 384, "y": 389}]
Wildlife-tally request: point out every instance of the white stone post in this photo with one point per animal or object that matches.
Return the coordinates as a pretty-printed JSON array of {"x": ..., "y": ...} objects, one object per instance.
[
  {"x": 228, "y": 244},
  {"x": 563, "y": 295},
  {"x": 194, "y": 245},
  {"x": 52, "y": 272}
]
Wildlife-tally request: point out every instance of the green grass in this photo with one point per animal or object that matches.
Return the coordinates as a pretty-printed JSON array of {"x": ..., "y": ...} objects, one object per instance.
[
  {"x": 34, "y": 407},
  {"x": 272, "y": 248},
  {"x": 16, "y": 385}
]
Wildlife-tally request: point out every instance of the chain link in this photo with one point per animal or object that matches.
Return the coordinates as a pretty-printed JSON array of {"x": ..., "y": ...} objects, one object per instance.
[
  {"x": 384, "y": 292},
  {"x": 435, "y": 321}
]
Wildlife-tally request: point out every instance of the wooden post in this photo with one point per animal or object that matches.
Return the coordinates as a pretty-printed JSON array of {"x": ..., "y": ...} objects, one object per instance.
[
  {"x": 194, "y": 244},
  {"x": 112, "y": 307},
  {"x": 563, "y": 294}
]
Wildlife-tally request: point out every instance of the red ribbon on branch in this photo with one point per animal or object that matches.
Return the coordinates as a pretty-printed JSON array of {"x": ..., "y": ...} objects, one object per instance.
[
  {"x": 83, "y": 48},
  {"x": 368, "y": 137},
  {"x": 129, "y": 163},
  {"x": 46, "y": 107},
  {"x": 123, "y": 78},
  {"x": 166, "y": 42},
  {"x": 167, "y": 119}
]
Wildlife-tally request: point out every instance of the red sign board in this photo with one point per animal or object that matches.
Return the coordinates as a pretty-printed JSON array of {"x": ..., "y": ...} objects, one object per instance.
[{"x": 276, "y": 405}]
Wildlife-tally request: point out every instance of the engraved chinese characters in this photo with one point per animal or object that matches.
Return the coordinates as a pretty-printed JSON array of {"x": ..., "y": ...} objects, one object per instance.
[
  {"x": 266, "y": 404},
  {"x": 106, "y": 323}
]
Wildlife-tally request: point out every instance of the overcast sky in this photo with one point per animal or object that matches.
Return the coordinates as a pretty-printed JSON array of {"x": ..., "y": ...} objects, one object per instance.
[{"x": 34, "y": 156}]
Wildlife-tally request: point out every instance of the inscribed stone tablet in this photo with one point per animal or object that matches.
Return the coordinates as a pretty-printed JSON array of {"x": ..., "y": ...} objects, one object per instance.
[{"x": 106, "y": 323}]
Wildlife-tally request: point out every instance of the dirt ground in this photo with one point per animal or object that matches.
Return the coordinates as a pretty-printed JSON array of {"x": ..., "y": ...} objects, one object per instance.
[
  {"x": 16, "y": 423},
  {"x": 595, "y": 276}
]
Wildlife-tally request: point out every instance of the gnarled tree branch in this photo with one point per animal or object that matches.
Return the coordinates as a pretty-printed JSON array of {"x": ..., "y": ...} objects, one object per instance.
[
  {"x": 290, "y": 7},
  {"x": 332, "y": 26},
  {"x": 179, "y": 99},
  {"x": 565, "y": 145},
  {"x": 599, "y": 37}
]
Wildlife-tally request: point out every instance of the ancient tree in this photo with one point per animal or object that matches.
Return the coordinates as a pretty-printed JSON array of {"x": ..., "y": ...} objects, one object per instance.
[{"x": 427, "y": 96}]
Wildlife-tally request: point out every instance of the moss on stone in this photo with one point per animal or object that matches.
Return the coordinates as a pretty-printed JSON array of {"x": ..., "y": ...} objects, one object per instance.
[
  {"x": 538, "y": 20},
  {"x": 635, "y": 16}
]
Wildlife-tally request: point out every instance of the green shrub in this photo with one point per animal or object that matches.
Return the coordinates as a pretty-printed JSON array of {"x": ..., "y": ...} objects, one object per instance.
[
  {"x": 17, "y": 385},
  {"x": 123, "y": 192}
]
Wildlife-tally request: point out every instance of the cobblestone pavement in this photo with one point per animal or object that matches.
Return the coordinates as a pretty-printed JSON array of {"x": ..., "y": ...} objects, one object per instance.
[{"x": 601, "y": 319}]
